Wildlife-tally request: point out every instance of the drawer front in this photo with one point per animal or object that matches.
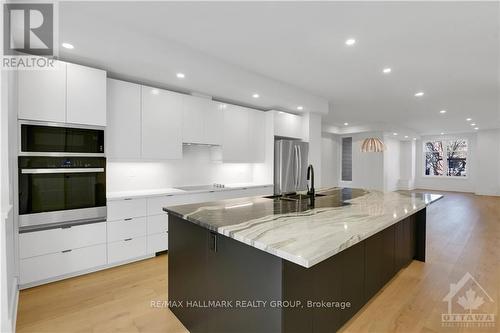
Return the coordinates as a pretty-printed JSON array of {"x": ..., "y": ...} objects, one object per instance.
[
  {"x": 56, "y": 264},
  {"x": 55, "y": 240},
  {"x": 128, "y": 228},
  {"x": 126, "y": 249},
  {"x": 126, "y": 208},
  {"x": 158, "y": 242},
  {"x": 157, "y": 224}
]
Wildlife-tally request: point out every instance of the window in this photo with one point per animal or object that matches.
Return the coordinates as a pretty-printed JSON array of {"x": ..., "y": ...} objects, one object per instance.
[
  {"x": 446, "y": 158},
  {"x": 347, "y": 159}
]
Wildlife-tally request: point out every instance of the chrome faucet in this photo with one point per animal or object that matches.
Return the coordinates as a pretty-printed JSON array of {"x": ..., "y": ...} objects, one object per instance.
[{"x": 310, "y": 190}]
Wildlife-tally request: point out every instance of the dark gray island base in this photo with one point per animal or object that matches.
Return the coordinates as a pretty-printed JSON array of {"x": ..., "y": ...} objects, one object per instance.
[{"x": 217, "y": 283}]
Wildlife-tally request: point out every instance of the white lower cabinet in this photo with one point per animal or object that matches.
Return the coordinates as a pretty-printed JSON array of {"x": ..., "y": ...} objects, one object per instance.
[
  {"x": 158, "y": 242},
  {"x": 127, "y": 228},
  {"x": 157, "y": 223},
  {"x": 61, "y": 263},
  {"x": 37, "y": 243},
  {"x": 157, "y": 233},
  {"x": 126, "y": 249}
]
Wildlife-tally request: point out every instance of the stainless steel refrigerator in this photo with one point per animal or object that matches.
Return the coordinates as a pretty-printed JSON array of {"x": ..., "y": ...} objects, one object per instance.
[{"x": 290, "y": 166}]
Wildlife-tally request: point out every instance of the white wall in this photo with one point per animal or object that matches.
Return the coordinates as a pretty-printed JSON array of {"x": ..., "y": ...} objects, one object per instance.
[
  {"x": 488, "y": 162},
  {"x": 330, "y": 160},
  {"x": 391, "y": 163},
  {"x": 367, "y": 168},
  {"x": 467, "y": 184},
  {"x": 312, "y": 134},
  {"x": 196, "y": 168},
  {"x": 407, "y": 163},
  {"x": 8, "y": 266}
]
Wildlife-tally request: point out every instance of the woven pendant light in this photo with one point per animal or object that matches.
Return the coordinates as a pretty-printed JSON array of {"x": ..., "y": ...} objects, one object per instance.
[{"x": 372, "y": 145}]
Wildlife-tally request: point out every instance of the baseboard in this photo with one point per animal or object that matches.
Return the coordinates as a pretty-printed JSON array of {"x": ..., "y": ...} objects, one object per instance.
[{"x": 83, "y": 272}]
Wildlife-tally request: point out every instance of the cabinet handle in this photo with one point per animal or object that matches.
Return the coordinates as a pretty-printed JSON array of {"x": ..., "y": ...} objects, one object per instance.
[
  {"x": 127, "y": 219},
  {"x": 127, "y": 239},
  {"x": 66, "y": 227},
  {"x": 213, "y": 244},
  {"x": 127, "y": 199},
  {"x": 66, "y": 251}
]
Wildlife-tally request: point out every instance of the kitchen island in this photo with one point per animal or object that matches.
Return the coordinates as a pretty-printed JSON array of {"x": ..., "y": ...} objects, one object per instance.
[{"x": 272, "y": 265}]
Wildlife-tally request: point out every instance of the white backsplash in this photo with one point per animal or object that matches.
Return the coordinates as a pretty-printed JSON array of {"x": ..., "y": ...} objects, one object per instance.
[{"x": 196, "y": 168}]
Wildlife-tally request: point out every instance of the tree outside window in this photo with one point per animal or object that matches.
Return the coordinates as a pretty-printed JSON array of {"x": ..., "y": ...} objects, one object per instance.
[{"x": 446, "y": 158}]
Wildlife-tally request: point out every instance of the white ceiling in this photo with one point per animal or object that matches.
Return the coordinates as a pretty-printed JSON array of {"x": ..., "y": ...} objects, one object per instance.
[{"x": 449, "y": 50}]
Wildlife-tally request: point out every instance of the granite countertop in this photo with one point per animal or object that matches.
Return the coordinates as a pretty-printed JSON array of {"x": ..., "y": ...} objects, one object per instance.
[
  {"x": 301, "y": 234},
  {"x": 118, "y": 195}
]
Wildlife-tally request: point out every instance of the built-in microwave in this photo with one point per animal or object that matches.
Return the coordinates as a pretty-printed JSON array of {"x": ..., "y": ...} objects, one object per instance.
[
  {"x": 60, "y": 190},
  {"x": 54, "y": 139}
]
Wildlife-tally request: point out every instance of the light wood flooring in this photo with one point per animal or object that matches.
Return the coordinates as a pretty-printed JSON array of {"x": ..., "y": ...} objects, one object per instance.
[{"x": 463, "y": 235}]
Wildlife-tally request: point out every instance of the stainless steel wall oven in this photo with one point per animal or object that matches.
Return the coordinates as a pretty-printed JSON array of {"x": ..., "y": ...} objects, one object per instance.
[{"x": 62, "y": 176}]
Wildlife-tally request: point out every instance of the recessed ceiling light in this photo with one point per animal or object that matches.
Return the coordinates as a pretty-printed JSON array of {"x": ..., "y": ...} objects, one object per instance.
[
  {"x": 406, "y": 136},
  {"x": 255, "y": 96},
  {"x": 180, "y": 75},
  {"x": 346, "y": 124},
  {"x": 300, "y": 107},
  {"x": 350, "y": 42},
  {"x": 442, "y": 111},
  {"x": 394, "y": 133},
  {"x": 476, "y": 128},
  {"x": 468, "y": 119},
  {"x": 415, "y": 139},
  {"x": 473, "y": 124},
  {"x": 442, "y": 133},
  {"x": 419, "y": 94},
  {"x": 387, "y": 70},
  {"x": 68, "y": 46},
  {"x": 155, "y": 91}
]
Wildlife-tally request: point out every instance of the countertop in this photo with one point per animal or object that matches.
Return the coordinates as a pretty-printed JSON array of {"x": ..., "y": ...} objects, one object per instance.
[
  {"x": 174, "y": 191},
  {"x": 301, "y": 234}
]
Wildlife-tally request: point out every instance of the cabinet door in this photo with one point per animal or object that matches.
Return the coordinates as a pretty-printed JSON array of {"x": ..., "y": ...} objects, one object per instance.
[
  {"x": 86, "y": 95},
  {"x": 256, "y": 140},
  {"x": 161, "y": 124},
  {"x": 193, "y": 109},
  {"x": 42, "y": 94},
  {"x": 236, "y": 133},
  {"x": 123, "y": 133},
  {"x": 288, "y": 125},
  {"x": 214, "y": 119}
]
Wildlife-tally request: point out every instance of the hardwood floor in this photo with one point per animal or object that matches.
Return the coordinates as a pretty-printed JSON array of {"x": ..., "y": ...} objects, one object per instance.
[{"x": 463, "y": 235}]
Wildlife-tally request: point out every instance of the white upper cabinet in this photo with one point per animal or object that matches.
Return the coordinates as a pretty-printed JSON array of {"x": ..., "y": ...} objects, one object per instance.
[
  {"x": 236, "y": 134},
  {"x": 244, "y": 135},
  {"x": 123, "y": 132},
  {"x": 161, "y": 124},
  {"x": 201, "y": 121},
  {"x": 193, "y": 114},
  {"x": 67, "y": 94},
  {"x": 288, "y": 125},
  {"x": 86, "y": 95},
  {"x": 42, "y": 94},
  {"x": 214, "y": 123},
  {"x": 257, "y": 141}
]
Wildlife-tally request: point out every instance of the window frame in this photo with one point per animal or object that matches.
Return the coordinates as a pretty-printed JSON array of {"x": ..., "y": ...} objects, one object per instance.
[
  {"x": 342, "y": 158},
  {"x": 445, "y": 154}
]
